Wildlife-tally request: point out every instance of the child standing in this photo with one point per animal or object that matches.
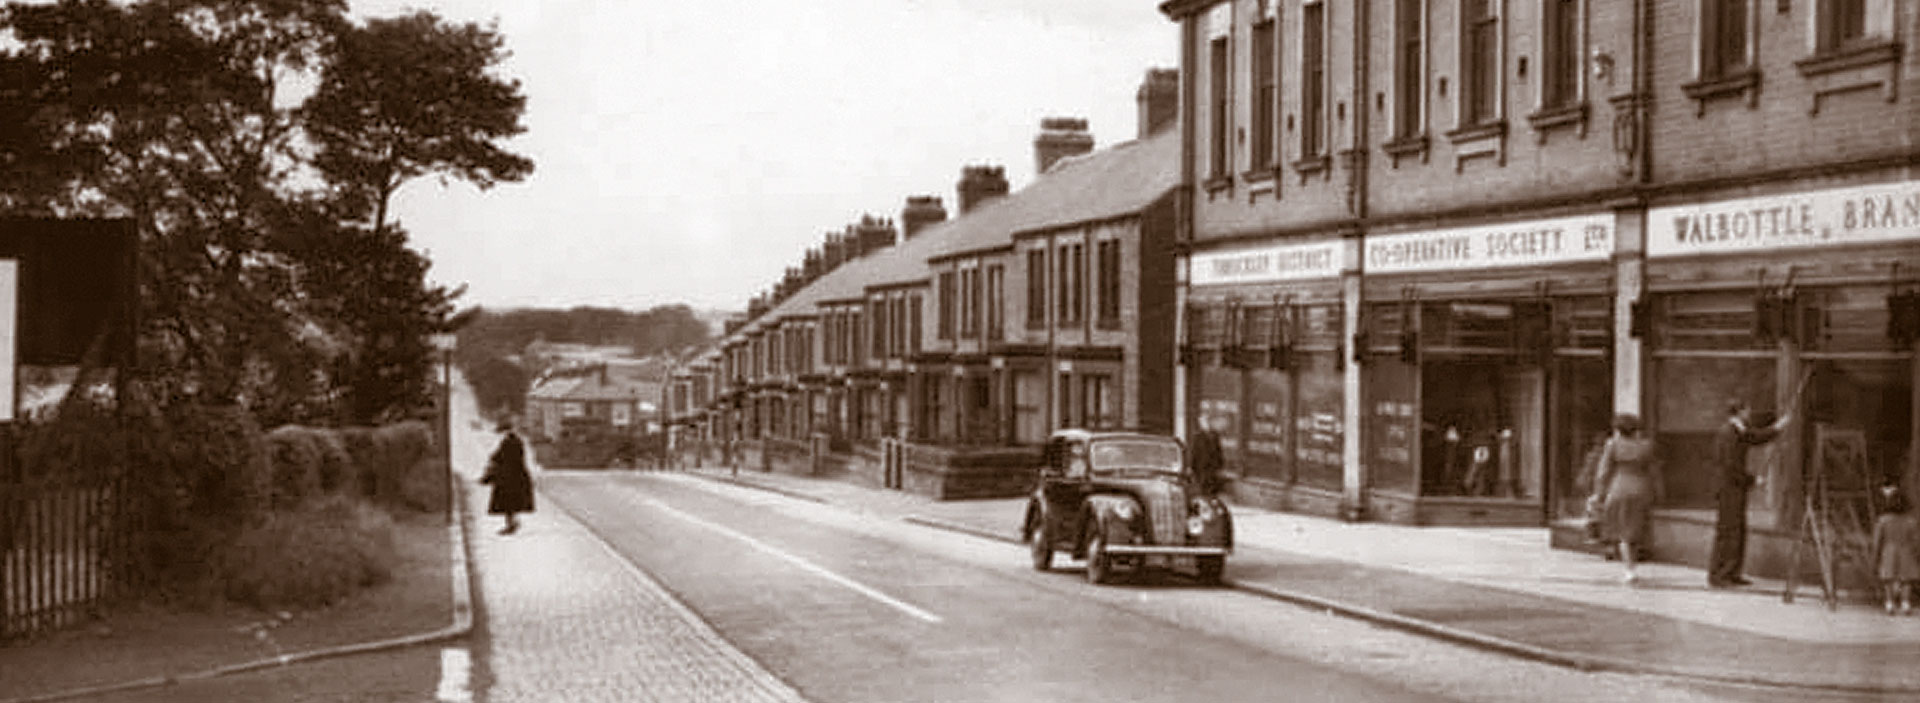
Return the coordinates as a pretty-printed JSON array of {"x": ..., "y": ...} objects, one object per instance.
[{"x": 1896, "y": 551}]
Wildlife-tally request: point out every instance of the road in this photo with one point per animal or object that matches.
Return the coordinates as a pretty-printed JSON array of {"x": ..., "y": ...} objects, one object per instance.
[{"x": 848, "y": 607}]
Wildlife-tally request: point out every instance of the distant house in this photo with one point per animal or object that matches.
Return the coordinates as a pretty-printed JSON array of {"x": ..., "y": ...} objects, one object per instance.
[{"x": 593, "y": 394}]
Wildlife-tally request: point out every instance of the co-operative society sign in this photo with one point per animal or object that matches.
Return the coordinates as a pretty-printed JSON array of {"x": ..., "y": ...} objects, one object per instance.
[
  {"x": 1586, "y": 238},
  {"x": 1825, "y": 218}
]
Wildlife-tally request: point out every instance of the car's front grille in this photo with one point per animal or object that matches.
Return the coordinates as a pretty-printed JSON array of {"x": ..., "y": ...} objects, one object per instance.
[{"x": 1166, "y": 507}]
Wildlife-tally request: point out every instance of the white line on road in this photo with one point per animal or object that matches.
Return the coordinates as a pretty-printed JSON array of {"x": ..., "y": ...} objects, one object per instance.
[
  {"x": 856, "y": 586},
  {"x": 455, "y": 683}
]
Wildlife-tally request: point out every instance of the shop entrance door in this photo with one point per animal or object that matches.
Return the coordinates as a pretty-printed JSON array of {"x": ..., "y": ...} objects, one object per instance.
[{"x": 1484, "y": 430}]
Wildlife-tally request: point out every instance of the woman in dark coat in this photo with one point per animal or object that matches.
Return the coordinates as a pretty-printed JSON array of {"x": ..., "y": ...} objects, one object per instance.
[{"x": 507, "y": 473}]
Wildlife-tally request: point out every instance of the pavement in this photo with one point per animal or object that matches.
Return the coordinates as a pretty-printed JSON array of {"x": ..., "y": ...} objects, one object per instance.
[{"x": 1500, "y": 589}]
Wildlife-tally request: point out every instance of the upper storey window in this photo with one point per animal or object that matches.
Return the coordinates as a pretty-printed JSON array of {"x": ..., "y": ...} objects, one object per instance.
[
  {"x": 1560, "y": 56},
  {"x": 1313, "y": 79},
  {"x": 1480, "y": 62},
  {"x": 1409, "y": 68},
  {"x": 1726, "y": 38},
  {"x": 1220, "y": 69}
]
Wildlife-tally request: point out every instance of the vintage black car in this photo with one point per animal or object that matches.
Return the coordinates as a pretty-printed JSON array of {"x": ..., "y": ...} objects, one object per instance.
[{"x": 1124, "y": 499}]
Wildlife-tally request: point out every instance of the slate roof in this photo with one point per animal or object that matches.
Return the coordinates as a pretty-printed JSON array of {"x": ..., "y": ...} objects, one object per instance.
[{"x": 1120, "y": 180}]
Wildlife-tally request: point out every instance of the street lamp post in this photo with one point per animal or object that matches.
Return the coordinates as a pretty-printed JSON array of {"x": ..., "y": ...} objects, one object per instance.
[{"x": 446, "y": 343}]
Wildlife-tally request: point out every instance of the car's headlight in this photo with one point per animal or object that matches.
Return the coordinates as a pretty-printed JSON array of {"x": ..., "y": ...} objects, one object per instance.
[
  {"x": 1195, "y": 525},
  {"x": 1203, "y": 509},
  {"x": 1123, "y": 510}
]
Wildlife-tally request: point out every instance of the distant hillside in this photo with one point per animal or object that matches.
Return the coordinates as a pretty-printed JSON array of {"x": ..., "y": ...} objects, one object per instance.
[{"x": 490, "y": 343}]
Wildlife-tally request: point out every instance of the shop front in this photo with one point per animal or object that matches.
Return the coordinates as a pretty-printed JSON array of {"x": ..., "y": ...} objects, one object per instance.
[
  {"x": 1485, "y": 369},
  {"x": 1798, "y": 302},
  {"x": 1264, "y": 366}
]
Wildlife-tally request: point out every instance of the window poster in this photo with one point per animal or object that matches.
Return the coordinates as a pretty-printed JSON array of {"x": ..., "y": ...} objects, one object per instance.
[
  {"x": 1269, "y": 420},
  {"x": 1318, "y": 431},
  {"x": 1220, "y": 391},
  {"x": 1392, "y": 424}
]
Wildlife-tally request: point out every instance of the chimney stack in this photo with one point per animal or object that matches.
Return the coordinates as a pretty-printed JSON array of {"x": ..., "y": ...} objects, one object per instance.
[
  {"x": 874, "y": 233},
  {"x": 833, "y": 251},
  {"x": 1159, "y": 100},
  {"x": 814, "y": 265},
  {"x": 921, "y": 211},
  {"x": 1059, "y": 138},
  {"x": 979, "y": 184}
]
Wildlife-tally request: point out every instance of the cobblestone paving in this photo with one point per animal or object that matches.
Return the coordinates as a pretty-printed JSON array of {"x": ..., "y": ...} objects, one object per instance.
[{"x": 570, "y": 620}]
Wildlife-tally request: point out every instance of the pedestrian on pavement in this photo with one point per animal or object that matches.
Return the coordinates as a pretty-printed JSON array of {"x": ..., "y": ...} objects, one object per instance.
[
  {"x": 507, "y": 473},
  {"x": 1730, "y": 446},
  {"x": 1206, "y": 457},
  {"x": 1629, "y": 482},
  {"x": 1896, "y": 550}
]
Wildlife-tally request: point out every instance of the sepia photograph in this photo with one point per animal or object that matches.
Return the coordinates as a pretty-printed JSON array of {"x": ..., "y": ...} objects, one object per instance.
[{"x": 957, "y": 351}]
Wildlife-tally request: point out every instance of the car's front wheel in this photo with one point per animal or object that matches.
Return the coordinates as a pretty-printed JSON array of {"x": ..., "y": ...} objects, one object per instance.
[
  {"x": 1042, "y": 546},
  {"x": 1099, "y": 565},
  {"x": 1210, "y": 568}
]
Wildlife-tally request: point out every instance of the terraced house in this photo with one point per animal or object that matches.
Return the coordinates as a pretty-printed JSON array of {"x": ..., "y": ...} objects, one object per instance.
[
  {"x": 1433, "y": 245},
  {"x": 936, "y": 360}
]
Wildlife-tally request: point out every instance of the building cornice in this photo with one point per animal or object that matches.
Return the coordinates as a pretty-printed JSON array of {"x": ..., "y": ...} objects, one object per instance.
[{"x": 1182, "y": 9}]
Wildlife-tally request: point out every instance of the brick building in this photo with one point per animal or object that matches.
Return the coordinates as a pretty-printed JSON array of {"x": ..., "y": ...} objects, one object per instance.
[
  {"x": 936, "y": 360},
  {"x": 1433, "y": 245}
]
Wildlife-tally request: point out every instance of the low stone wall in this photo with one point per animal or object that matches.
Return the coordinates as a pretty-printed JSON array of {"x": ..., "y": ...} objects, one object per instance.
[
  {"x": 787, "y": 456},
  {"x": 960, "y": 473}
]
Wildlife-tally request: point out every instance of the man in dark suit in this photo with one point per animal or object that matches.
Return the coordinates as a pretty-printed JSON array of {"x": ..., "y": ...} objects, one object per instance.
[
  {"x": 1207, "y": 457},
  {"x": 1730, "y": 445}
]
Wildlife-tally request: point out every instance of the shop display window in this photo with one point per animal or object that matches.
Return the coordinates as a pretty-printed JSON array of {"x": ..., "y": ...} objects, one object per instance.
[
  {"x": 1319, "y": 432},
  {"x": 1269, "y": 425},
  {"x": 1583, "y": 414},
  {"x": 1481, "y": 433},
  {"x": 1690, "y": 394}
]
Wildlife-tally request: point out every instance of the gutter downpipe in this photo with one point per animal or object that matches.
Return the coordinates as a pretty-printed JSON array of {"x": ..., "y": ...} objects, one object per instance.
[
  {"x": 1356, "y": 480},
  {"x": 1183, "y": 223}
]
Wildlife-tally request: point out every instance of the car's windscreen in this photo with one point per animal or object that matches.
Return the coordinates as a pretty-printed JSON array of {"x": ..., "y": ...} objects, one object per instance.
[{"x": 1136, "y": 455}]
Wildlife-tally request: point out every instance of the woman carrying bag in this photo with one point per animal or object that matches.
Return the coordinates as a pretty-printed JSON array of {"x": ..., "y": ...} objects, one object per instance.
[{"x": 1629, "y": 483}]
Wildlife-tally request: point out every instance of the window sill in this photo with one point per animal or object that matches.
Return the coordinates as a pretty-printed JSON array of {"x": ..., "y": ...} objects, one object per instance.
[
  {"x": 1852, "y": 68},
  {"x": 1258, "y": 175},
  {"x": 1216, "y": 184},
  {"x": 1312, "y": 165},
  {"x": 1481, "y": 140},
  {"x": 1112, "y": 323},
  {"x": 1548, "y": 119},
  {"x": 1407, "y": 146},
  {"x": 1743, "y": 84}
]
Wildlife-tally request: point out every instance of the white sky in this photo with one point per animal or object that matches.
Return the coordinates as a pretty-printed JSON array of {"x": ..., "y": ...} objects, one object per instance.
[{"x": 689, "y": 151}]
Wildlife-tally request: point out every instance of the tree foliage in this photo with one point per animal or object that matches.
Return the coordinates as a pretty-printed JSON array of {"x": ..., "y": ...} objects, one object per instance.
[
  {"x": 262, "y": 280},
  {"x": 378, "y": 127}
]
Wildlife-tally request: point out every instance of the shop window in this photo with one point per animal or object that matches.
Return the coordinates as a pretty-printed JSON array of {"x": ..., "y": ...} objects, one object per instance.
[
  {"x": 1690, "y": 395},
  {"x": 1483, "y": 430},
  {"x": 1706, "y": 321},
  {"x": 1319, "y": 430},
  {"x": 1269, "y": 414},
  {"x": 1486, "y": 327}
]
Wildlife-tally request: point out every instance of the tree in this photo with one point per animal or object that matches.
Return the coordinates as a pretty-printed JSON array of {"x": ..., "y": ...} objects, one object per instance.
[
  {"x": 170, "y": 112},
  {"x": 411, "y": 96}
]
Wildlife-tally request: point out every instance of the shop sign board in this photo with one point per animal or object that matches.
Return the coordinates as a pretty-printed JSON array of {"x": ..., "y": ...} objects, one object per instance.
[
  {"x": 1266, "y": 264},
  {"x": 1836, "y": 217},
  {"x": 1564, "y": 240}
]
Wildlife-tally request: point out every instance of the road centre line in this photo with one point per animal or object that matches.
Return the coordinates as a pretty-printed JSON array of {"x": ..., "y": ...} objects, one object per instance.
[{"x": 816, "y": 569}]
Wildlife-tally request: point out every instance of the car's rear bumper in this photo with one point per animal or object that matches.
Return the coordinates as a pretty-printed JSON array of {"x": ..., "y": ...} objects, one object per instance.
[{"x": 1166, "y": 550}]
